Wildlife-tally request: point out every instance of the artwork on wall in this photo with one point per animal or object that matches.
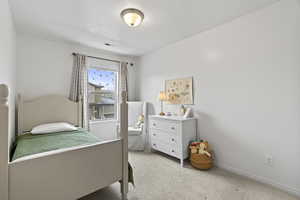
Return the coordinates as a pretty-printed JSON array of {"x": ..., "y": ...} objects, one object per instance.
[{"x": 180, "y": 91}]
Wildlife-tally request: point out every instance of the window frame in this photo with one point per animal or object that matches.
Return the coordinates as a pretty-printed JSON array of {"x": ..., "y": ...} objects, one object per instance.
[{"x": 117, "y": 82}]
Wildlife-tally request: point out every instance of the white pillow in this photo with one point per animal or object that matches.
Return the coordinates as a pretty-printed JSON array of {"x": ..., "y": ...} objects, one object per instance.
[{"x": 53, "y": 127}]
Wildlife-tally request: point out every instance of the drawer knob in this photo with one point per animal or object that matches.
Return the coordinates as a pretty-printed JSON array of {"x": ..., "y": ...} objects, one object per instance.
[
  {"x": 154, "y": 144},
  {"x": 154, "y": 124},
  {"x": 173, "y": 151},
  {"x": 173, "y": 139},
  {"x": 173, "y": 128},
  {"x": 154, "y": 134}
]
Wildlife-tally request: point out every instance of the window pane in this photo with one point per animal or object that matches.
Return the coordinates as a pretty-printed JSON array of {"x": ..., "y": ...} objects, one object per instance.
[{"x": 102, "y": 87}]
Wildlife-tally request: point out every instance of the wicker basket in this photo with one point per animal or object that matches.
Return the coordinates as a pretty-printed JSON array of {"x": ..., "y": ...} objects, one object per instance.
[{"x": 201, "y": 161}]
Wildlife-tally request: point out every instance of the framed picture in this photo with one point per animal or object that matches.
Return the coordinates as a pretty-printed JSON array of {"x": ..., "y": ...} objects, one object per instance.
[{"x": 180, "y": 91}]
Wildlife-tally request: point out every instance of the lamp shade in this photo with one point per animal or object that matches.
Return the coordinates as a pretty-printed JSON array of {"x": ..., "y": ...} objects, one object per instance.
[{"x": 163, "y": 96}]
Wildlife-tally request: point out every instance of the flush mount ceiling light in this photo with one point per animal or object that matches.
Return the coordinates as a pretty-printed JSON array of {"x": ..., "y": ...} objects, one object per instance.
[{"x": 132, "y": 17}]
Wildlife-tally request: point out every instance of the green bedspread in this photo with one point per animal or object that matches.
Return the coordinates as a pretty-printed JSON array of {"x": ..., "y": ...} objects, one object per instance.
[{"x": 29, "y": 144}]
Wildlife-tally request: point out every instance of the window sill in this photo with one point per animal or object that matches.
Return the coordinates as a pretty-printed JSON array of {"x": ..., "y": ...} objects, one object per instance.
[{"x": 103, "y": 121}]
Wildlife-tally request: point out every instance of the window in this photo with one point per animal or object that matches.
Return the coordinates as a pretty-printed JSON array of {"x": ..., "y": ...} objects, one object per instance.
[{"x": 102, "y": 93}]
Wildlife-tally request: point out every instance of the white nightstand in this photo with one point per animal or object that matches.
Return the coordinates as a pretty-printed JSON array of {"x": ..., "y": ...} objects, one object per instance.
[{"x": 171, "y": 135}]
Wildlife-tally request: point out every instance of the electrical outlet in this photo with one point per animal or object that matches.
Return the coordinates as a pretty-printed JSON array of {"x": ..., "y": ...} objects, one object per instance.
[{"x": 269, "y": 160}]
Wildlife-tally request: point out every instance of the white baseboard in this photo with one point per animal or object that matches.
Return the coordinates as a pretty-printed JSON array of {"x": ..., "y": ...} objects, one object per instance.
[{"x": 261, "y": 179}]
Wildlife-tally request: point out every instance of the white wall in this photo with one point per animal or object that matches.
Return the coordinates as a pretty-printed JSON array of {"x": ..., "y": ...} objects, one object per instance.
[
  {"x": 246, "y": 87},
  {"x": 8, "y": 57},
  {"x": 45, "y": 67}
]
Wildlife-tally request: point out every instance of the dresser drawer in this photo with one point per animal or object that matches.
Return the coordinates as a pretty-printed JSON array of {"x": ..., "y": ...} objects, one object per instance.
[
  {"x": 166, "y": 137},
  {"x": 165, "y": 125},
  {"x": 165, "y": 148}
]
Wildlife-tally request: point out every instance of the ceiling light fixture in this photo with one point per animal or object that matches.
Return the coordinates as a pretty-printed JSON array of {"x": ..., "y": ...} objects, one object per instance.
[{"x": 132, "y": 17}]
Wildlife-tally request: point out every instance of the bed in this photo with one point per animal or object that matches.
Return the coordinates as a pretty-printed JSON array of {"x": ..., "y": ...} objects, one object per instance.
[{"x": 64, "y": 171}]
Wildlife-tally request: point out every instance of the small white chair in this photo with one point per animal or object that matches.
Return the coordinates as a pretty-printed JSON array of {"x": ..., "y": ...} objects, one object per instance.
[{"x": 137, "y": 137}]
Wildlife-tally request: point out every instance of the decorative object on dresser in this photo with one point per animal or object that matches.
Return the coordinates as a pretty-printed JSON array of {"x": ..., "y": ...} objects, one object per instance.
[
  {"x": 172, "y": 135},
  {"x": 187, "y": 113},
  {"x": 180, "y": 91},
  {"x": 162, "y": 97},
  {"x": 182, "y": 110}
]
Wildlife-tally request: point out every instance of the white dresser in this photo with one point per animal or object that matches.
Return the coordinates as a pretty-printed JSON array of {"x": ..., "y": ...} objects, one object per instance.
[{"x": 171, "y": 135}]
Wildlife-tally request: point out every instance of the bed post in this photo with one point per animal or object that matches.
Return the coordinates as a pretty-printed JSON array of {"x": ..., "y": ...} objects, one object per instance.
[
  {"x": 20, "y": 114},
  {"x": 124, "y": 136},
  {"x": 4, "y": 153}
]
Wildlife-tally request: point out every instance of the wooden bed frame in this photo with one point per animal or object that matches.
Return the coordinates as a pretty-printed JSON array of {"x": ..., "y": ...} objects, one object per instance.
[{"x": 65, "y": 174}]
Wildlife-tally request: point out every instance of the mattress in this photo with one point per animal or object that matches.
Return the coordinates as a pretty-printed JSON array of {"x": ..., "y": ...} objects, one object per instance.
[{"x": 29, "y": 144}]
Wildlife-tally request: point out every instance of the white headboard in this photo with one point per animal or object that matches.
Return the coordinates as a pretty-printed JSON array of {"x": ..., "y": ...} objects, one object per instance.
[{"x": 47, "y": 109}]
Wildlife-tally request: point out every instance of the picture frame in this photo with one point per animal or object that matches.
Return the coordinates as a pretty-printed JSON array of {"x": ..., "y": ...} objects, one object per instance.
[{"x": 180, "y": 91}]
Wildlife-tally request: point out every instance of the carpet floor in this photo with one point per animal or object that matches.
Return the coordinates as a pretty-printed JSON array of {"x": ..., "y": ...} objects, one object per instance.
[{"x": 159, "y": 177}]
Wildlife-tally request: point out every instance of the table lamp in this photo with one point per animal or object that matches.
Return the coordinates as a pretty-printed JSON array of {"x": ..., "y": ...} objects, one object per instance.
[{"x": 162, "y": 97}]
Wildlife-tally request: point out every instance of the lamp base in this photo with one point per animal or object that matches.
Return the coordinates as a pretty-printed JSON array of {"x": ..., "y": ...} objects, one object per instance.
[{"x": 162, "y": 114}]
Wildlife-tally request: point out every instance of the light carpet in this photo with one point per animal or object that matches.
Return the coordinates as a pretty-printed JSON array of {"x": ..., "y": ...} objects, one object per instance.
[{"x": 159, "y": 177}]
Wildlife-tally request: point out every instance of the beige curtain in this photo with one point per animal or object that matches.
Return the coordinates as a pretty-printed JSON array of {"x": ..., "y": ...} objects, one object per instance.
[
  {"x": 124, "y": 77},
  {"x": 79, "y": 86}
]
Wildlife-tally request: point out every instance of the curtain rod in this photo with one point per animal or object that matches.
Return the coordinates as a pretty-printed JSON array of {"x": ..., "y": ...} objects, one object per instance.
[{"x": 99, "y": 58}]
